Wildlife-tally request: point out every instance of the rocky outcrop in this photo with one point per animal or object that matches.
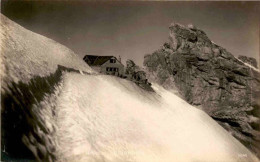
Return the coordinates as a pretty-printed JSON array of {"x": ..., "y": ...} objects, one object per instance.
[
  {"x": 210, "y": 77},
  {"x": 248, "y": 60},
  {"x": 137, "y": 75}
]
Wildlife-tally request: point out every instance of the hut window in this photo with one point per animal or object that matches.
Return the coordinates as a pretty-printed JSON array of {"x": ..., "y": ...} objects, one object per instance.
[{"x": 112, "y": 60}]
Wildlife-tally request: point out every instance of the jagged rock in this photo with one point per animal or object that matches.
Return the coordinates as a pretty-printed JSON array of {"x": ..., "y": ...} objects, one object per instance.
[
  {"x": 131, "y": 68},
  {"x": 136, "y": 74},
  {"x": 249, "y": 60},
  {"x": 207, "y": 75}
]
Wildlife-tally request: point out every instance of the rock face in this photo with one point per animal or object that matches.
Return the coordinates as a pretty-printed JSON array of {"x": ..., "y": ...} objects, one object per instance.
[
  {"x": 249, "y": 60},
  {"x": 136, "y": 74},
  {"x": 210, "y": 77}
]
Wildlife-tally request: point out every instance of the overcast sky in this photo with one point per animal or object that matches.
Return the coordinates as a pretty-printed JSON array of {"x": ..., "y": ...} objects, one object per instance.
[{"x": 133, "y": 29}]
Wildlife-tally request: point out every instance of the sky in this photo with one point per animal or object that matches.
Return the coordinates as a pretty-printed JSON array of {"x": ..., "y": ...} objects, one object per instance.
[{"x": 133, "y": 29}]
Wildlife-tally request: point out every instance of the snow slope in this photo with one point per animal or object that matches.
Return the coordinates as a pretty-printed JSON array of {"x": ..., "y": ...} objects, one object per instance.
[
  {"x": 67, "y": 116},
  {"x": 104, "y": 118},
  {"x": 29, "y": 76},
  {"x": 26, "y": 54}
]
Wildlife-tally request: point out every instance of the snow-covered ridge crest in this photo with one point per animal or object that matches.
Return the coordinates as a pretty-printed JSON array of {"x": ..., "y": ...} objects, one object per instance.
[{"x": 26, "y": 54}]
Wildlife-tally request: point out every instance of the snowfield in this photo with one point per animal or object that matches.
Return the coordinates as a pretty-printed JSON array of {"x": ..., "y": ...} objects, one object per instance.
[
  {"x": 104, "y": 118},
  {"x": 27, "y": 54},
  {"x": 99, "y": 117}
]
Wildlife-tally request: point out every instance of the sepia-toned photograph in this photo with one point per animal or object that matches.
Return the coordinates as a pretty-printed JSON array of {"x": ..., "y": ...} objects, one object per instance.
[{"x": 130, "y": 81}]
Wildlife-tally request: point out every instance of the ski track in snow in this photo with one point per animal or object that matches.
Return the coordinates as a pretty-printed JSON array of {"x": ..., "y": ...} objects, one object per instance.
[{"x": 104, "y": 118}]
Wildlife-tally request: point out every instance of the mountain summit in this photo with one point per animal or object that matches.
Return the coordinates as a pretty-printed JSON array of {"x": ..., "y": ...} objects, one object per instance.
[{"x": 208, "y": 76}]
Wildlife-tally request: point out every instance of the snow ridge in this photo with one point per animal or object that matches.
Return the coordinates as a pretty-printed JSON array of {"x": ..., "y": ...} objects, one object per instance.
[{"x": 26, "y": 54}]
